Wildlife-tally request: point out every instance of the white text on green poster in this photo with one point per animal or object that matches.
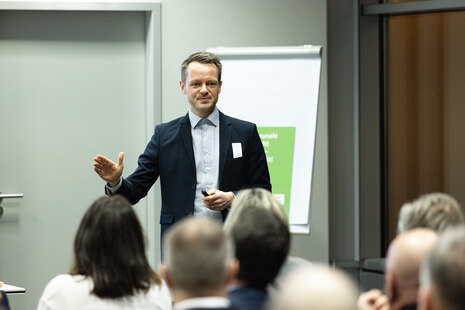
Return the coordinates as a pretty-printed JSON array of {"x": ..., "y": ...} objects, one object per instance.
[{"x": 278, "y": 143}]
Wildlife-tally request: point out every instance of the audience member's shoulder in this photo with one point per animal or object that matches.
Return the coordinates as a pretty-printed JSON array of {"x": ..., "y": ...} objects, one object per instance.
[
  {"x": 162, "y": 295},
  {"x": 63, "y": 282}
]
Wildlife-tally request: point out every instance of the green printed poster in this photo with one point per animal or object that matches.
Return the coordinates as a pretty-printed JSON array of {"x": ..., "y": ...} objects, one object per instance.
[{"x": 278, "y": 143}]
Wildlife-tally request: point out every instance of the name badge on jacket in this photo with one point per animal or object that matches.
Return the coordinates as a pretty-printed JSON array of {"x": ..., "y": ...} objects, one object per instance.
[{"x": 237, "y": 150}]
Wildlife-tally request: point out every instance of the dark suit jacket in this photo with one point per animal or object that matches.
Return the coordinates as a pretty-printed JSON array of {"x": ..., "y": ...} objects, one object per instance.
[
  {"x": 170, "y": 156},
  {"x": 247, "y": 298}
]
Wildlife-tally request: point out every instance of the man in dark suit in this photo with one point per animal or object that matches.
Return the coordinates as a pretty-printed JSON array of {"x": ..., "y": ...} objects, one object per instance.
[
  {"x": 198, "y": 262},
  {"x": 203, "y": 151}
]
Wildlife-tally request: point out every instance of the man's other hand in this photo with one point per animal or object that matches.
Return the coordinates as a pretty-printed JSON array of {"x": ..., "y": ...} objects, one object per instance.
[
  {"x": 218, "y": 200},
  {"x": 108, "y": 170}
]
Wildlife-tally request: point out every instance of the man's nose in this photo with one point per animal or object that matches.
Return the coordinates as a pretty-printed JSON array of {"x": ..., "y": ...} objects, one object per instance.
[{"x": 204, "y": 89}]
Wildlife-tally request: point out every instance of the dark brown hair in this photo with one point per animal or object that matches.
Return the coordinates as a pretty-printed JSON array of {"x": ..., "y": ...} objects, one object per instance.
[{"x": 109, "y": 247}]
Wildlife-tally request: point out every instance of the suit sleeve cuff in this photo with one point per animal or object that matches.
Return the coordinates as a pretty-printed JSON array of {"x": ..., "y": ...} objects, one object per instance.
[{"x": 113, "y": 190}]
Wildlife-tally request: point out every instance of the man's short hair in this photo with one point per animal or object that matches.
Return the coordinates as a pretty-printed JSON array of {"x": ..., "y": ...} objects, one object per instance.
[
  {"x": 202, "y": 57},
  {"x": 197, "y": 253},
  {"x": 436, "y": 211},
  {"x": 262, "y": 243},
  {"x": 444, "y": 270}
]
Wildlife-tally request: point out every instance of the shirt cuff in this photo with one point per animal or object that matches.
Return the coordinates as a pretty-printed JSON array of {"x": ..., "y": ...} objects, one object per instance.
[{"x": 113, "y": 190}]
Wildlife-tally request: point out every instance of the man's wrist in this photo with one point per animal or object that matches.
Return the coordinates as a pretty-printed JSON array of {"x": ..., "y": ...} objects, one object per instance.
[
  {"x": 113, "y": 184},
  {"x": 112, "y": 187},
  {"x": 233, "y": 196}
]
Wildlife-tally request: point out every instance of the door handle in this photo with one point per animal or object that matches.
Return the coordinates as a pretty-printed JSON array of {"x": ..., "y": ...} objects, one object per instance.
[{"x": 10, "y": 196}]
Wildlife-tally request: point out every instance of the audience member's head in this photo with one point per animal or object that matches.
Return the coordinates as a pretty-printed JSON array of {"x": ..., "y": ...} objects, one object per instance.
[
  {"x": 109, "y": 247},
  {"x": 318, "y": 287},
  {"x": 436, "y": 211},
  {"x": 443, "y": 273},
  {"x": 405, "y": 256},
  {"x": 261, "y": 237},
  {"x": 257, "y": 197},
  {"x": 198, "y": 259}
]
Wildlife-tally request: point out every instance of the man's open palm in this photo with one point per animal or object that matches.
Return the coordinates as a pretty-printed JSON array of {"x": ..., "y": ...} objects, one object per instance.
[{"x": 108, "y": 170}]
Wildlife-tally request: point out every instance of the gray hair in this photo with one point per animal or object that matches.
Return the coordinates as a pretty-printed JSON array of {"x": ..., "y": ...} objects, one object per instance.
[
  {"x": 258, "y": 197},
  {"x": 436, "y": 211},
  {"x": 202, "y": 57},
  {"x": 197, "y": 253},
  {"x": 444, "y": 269}
]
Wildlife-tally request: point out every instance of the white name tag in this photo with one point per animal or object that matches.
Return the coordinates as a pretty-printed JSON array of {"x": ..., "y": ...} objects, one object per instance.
[{"x": 237, "y": 150}]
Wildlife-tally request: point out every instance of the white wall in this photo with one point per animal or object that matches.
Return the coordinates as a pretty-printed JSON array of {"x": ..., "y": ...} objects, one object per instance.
[{"x": 191, "y": 26}]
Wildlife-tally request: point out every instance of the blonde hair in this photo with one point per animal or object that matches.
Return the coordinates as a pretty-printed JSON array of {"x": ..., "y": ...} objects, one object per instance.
[{"x": 258, "y": 197}]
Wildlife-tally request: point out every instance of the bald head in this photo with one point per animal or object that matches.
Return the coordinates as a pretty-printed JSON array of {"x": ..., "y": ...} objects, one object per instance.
[
  {"x": 197, "y": 256},
  {"x": 407, "y": 251},
  {"x": 405, "y": 256},
  {"x": 315, "y": 288}
]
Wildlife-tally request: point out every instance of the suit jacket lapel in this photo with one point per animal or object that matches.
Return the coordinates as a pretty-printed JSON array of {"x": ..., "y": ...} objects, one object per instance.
[
  {"x": 186, "y": 137},
  {"x": 225, "y": 142}
]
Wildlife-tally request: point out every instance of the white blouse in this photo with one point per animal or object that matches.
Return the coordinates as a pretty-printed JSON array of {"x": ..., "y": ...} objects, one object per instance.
[{"x": 73, "y": 292}]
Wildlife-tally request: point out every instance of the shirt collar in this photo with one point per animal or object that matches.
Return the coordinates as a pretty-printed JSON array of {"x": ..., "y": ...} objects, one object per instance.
[
  {"x": 202, "y": 302},
  {"x": 214, "y": 118}
]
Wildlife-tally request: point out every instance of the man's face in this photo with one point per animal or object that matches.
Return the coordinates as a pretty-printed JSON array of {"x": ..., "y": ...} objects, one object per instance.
[{"x": 202, "y": 88}]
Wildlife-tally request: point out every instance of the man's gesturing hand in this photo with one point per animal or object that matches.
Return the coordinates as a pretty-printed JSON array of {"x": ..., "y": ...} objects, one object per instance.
[{"x": 108, "y": 170}]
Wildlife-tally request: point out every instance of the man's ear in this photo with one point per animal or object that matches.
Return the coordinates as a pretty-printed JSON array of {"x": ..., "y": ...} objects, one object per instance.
[
  {"x": 233, "y": 270},
  {"x": 165, "y": 273},
  {"x": 183, "y": 87},
  {"x": 424, "y": 298},
  {"x": 390, "y": 287}
]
